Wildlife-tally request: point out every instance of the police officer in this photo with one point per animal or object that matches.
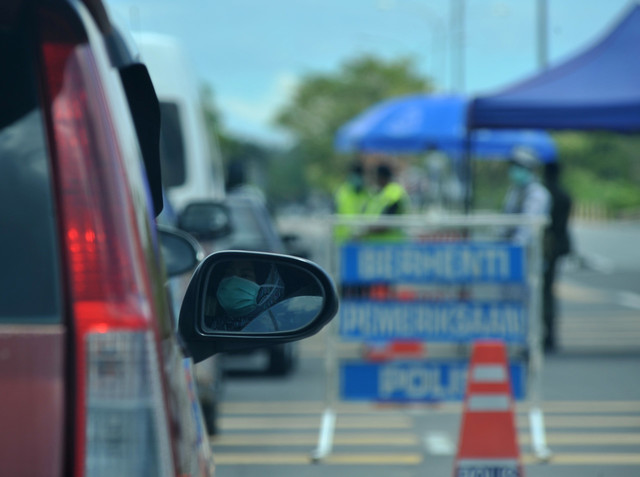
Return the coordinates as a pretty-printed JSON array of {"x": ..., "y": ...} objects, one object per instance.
[
  {"x": 390, "y": 199},
  {"x": 526, "y": 195},
  {"x": 557, "y": 243},
  {"x": 351, "y": 198}
]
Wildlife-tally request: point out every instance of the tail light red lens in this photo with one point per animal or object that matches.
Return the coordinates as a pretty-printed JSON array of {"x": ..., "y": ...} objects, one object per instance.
[
  {"x": 121, "y": 423},
  {"x": 107, "y": 267}
]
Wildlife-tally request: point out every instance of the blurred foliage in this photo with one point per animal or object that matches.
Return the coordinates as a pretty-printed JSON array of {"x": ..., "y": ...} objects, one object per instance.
[
  {"x": 490, "y": 184},
  {"x": 286, "y": 181},
  {"x": 325, "y": 101},
  {"x": 599, "y": 168}
]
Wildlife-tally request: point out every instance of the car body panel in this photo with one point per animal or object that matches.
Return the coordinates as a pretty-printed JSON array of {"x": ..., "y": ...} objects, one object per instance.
[{"x": 33, "y": 399}]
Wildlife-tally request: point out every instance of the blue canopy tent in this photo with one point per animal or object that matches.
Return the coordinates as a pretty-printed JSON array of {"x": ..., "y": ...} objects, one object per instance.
[
  {"x": 420, "y": 122},
  {"x": 598, "y": 89}
]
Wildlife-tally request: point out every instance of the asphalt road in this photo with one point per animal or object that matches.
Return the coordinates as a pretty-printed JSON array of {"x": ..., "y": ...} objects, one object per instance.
[{"x": 590, "y": 387}]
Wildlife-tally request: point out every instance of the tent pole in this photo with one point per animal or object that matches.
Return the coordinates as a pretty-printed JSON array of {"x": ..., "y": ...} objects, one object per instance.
[{"x": 468, "y": 172}]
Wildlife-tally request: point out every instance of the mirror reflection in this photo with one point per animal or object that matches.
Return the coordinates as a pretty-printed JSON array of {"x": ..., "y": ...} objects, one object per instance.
[{"x": 256, "y": 296}]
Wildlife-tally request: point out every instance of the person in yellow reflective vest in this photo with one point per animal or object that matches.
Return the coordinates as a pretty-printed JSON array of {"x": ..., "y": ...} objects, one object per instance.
[
  {"x": 351, "y": 198},
  {"x": 391, "y": 199}
]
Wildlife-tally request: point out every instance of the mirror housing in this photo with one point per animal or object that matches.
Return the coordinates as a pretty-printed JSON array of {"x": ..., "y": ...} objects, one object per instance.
[
  {"x": 205, "y": 220},
  {"x": 203, "y": 339},
  {"x": 180, "y": 251},
  {"x": 145, "y": 111}
]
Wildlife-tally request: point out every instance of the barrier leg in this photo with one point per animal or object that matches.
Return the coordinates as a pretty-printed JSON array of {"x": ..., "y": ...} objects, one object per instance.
[
  {"x": 325, "y": 439},
  {"x": 538, "y": 437},
  {"x": 536, "y": 418},
  {"x": 327, "y": 425}
]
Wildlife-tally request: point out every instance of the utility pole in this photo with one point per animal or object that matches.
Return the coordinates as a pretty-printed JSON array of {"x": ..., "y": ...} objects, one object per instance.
[{"x": 542, "y": 34}]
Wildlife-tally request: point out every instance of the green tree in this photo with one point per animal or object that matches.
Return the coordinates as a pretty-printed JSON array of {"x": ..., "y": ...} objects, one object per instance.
[
  {"x": 601, "y": 168},
  {"x": 325, "y": 101}
]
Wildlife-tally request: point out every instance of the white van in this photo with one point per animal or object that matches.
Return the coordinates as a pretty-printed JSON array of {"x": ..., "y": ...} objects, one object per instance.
[
  {"x": 192, "y": 166},
  {"x": 192, "y": 169}
]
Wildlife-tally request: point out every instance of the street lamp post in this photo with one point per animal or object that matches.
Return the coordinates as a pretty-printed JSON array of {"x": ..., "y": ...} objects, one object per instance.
[
  {"x": 437, "y": 32},
  {"x": 542, "y": 34},
  {"x": 438, "y": 41},
  {"x": 457, "y": 45}
]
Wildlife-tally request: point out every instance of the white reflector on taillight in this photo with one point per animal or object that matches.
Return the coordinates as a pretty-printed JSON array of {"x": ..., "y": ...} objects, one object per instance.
[{"x": 123, "y": 395}]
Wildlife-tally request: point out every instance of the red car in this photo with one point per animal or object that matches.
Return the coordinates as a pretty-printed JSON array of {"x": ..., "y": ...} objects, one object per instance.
[{"x": 96, "y": 379}]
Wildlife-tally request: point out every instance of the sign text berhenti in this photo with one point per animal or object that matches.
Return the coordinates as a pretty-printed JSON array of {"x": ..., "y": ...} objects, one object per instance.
[{"x": 453, "y": 263}]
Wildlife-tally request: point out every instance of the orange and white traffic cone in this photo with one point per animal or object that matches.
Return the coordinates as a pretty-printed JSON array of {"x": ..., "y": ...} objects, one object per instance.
[{"x": 488, "y": 443}]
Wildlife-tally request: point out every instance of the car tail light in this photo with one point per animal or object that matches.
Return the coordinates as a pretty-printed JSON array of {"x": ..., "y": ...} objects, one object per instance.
[{"x": 121, "y": 423}]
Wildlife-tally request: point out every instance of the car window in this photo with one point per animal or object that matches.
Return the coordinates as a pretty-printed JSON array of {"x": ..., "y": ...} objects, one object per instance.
[
  {"x": 30, "y": 272},
  {"x": 171, "y": 145}
]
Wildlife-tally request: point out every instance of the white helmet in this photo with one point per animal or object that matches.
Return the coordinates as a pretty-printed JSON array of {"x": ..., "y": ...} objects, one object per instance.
[{"x": 524, "y": 157}]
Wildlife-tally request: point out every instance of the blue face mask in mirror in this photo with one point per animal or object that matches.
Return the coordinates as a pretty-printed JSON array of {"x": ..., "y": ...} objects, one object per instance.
[{"x": 237, "y": 296}]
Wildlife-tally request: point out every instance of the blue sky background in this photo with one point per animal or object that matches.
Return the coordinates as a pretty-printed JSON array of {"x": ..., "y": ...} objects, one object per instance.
[{"x": 253, "y": 52}]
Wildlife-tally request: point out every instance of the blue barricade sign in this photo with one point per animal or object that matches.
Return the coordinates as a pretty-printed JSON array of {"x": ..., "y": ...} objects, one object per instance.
[
  {"x": 363, "y": 320},
  {"x": 415, "y": 381},
  {"x": 450, "y": 263}
]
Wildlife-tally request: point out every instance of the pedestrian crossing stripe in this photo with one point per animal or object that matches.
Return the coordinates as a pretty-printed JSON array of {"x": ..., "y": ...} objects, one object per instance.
[
  {"x": 282, "y": 439},
  {"x": 349, "y": 422},
  {"x": 248, "y": 458},
  {"x": 311, "y": 439},
  {"x": 618, "y": 458},
  {"x": 316, "y": 407},
  {"x": 366, "y": 427},
  {"x": 581, "y": 422},
  {"x": 586, "y": 439},
  {"x": 302, "y": 458}
]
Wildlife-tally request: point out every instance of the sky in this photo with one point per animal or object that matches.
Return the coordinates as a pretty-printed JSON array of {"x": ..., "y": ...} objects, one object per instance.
[{"x": 253, "y": 53}]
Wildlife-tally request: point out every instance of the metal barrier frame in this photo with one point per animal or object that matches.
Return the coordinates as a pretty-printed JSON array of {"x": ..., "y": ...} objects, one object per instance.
[{"x": 428, "y": 223}]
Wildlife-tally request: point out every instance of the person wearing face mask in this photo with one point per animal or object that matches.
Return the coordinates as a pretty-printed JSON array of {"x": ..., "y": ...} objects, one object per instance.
[
  {"x": 351, "y": 198},
  {"x": 241, "y": 296},
  {"x": 526, "y": 195},
  {"x": 391, "y": 198}
]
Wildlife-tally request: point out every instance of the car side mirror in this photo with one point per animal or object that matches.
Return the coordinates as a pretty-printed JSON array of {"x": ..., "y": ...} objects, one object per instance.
[
  {"x": 241, "y": 300},
  {"x": 205, "y": 220},
  {"x": 181, "y": 252}
]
